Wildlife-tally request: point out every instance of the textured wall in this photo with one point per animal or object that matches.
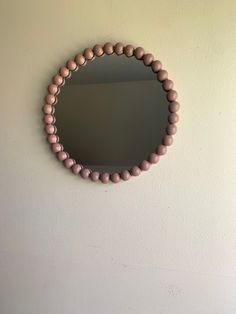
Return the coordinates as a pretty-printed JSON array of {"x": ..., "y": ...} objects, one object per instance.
[{"x": 164, "y": 242}]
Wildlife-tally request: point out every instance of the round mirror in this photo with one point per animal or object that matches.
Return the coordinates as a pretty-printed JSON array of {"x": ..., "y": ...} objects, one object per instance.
[{"x": 115, "y": 115}]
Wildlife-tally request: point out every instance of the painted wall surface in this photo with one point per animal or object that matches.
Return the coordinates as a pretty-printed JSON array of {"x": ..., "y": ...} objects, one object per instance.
[{"x": 164, "y": 242}]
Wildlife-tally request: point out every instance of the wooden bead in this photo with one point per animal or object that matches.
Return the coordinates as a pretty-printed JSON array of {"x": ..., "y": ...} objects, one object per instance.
[
  {"x": 162, "y": 75},
  {"x": 145, "y": 165},
  {"x": 172, "y": 95},
  {"x": 68, "y": 163},
  {"x": 52, "y": 138},
  {"x": 173, "y": 118},
  {"x": 167, "y": 140},
  {"x": 52, "y": 89},
  {"x": 76, "y": 168},
  {"x": 98, "y": 50},
  {"x": 48, "y": 119},
  {"x": 148, "y": 58},
  {"x": 48, "y": 109},
  {"x": 108, "y": 49},
  {"x": 119, "y": 49},
  {"x": 167, "y": 85},
  {"x": 88, "y": 54},
  {"x": 125, "y": 175},
  {"x": 129, "y": 51},
  {"x": 171, "y": 129},
  {"x": 50, "y": 129},
  {"x": 139, "y": 53},
  {"x": 85, "y": 172},
  {"x": 57, "y": 147},
  {"x": 71, "y": 65},
  {"x": 104, "y": 177},
  {"x": 58, "y": 80},
  {"x": 94, "y": 176},
  {"x": 156, "y": 66},
  {"x": 64, "y": 72},
  {"x": 80, "y": 59},
  {"x": 62, "y": 156},
  {"x": 135, "y": 171},
  {"x": 174, "y": 106},
  {"x": 161, "y": 150},
  {"x": 153, "y": 158},
  {"x": 115, "y": 177},
  {"x": 50, "y": 99}
]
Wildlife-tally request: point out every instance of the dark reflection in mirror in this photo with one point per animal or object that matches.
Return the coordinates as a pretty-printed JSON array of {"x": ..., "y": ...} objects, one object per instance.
[{"x": 111, "y": 114}]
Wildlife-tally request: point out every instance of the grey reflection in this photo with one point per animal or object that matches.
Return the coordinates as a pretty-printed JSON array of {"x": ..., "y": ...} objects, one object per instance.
[{"x": 112, "y": 113}]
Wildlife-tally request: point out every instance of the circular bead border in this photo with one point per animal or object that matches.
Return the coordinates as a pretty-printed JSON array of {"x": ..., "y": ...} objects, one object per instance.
[{"x": 81, "y": 60}]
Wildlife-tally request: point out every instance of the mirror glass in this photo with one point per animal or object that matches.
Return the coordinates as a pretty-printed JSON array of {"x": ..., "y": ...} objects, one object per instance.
[{"x": 111, "y": 114}]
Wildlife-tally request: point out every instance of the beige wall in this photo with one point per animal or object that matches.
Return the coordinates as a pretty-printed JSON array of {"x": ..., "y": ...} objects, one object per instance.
[{"x": 162, "y": 243}]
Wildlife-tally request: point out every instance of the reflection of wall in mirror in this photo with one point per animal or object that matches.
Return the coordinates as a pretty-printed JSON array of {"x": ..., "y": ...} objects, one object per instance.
[{"x": 122, "y": 122}]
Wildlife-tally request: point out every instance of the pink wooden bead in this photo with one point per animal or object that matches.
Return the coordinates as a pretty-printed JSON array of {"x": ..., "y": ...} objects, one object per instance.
[
  {"x": 161, "y": 150},
  {"x": 53, "y": 88},
  {"x": 68, "y": 163},
  {"x": 71, "y": 65},
  {"x": 156, "y": 66},
  {"x": 153, "y": 158},
  {"x": 57, "y": 147},
  {"x": 48, "y": 109},
  {"x": 171, "y": 129},
  {"x": 76, "y": 168},
  {"x": 64, "y": 72},
  {"x": 98, "y": 50},
  {"x": 62, "y": 155},
  {"x": 125, "y": 175},
  {"x": 108, "y": 49},
  {"x": 168, "y": 140},
  {"x": 85, "y": 172},
  {"x": 119, "y": 49},
  {"x": 115, "y": 177},
  {"x": 94, "y": 176},
  {"x": 48, "y": 119},
  {"x": 172, "y": 95},
  {"x": 173, "y": 118},
  {"x": 80, "y": 59},
  {"x": 139, "y": 53},
  {"x": 105, "y": 177},
  {"x": 50, "y": 129},
  {"x": 174, "y": 106},
  {"x": 162, "y": 75},
  {"x": 53, "y": 139},
  {"x": 148, "y": 58},
  {"x": 145, "y": 165},
  {"x": 135, "y": 171},
  {"x": 58, "y": 80},
  {"x": 88, "y": 54},
  {"x": 50, "y": 99},
  {"x": 129, "y": 50},
  {"x": 167, "y": 85}
]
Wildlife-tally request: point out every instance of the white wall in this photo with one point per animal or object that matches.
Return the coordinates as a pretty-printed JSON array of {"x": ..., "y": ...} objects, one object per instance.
[{"x": 164, "y": 242}]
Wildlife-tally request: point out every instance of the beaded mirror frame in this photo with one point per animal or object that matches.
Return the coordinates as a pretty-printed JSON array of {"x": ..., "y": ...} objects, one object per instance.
[{"x": 81, "y": 60}]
